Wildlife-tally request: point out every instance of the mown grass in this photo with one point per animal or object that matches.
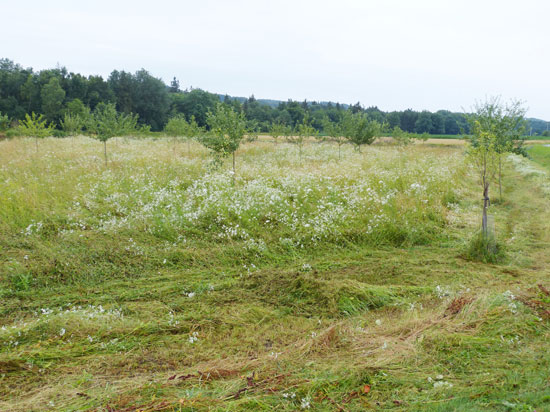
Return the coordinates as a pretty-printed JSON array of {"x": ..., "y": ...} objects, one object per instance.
[
  {"x": 541, "y": 154},
  {"x": 225, "y": 300}
]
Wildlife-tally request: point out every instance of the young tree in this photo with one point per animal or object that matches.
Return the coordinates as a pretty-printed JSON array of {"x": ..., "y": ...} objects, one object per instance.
[
  {"x": 72, "y": 124},
  {"x": 176, "y": 127},
  {"x": 106, "y": 123},
  {"x": 277, "y": 130},
  {"x": 227, "y": 130},
  {"x": 302, "y": 132},
  {"x": 359, "y": 130},
  {"x": 194, "y": 132},
  {"x": 401, "y": 137},
  {"x": 506, "y": 122},
  {"x": 485, "y": 157},
  {"x": 4, "y": 122},
  {"x": 335, "y": 133},
  {"x": 35, "y": 126}
]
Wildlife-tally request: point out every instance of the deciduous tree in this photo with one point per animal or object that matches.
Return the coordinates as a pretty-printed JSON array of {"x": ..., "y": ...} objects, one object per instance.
[
  {"x": 227, "y": 130},
  {"x": 35, "y": 126},
  {"x": 107, "y": 123}
]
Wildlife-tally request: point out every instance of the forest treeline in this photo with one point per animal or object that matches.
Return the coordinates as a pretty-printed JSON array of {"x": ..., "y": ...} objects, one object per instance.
[{"x": 56, "y": 92}]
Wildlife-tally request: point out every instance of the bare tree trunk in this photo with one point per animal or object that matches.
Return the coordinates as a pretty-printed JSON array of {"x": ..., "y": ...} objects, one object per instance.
[
  {"x": 486, "y": 203},
  {"x": 339, "y": 150},
  {"x": 189, "y": 147},
  {"x": 105, "y": 151},
  {"x": 36, "y": 141}
]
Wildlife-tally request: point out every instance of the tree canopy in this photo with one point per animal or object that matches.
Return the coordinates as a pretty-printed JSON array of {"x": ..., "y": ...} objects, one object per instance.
[{"x": 54, "y": 92}]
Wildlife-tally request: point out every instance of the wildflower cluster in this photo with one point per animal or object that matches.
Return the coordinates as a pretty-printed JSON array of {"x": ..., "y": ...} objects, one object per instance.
[{"x": 379, "y": 203}]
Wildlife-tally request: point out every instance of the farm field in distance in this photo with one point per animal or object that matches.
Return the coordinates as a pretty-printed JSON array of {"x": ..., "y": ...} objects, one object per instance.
[{"x": 156, "y": 283}]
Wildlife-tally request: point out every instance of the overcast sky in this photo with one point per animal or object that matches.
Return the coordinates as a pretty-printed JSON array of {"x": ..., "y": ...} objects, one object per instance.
[{"x": 395, "y": 54}]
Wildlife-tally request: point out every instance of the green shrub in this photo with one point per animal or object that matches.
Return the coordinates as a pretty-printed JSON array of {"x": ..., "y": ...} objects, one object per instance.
[{"x": 485, "y": 249}]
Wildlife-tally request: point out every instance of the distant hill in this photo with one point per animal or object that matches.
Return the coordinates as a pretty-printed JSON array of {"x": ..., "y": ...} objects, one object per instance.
[
  {"x": 537, "y": 126},
  {"x": 274, "y": 103}
]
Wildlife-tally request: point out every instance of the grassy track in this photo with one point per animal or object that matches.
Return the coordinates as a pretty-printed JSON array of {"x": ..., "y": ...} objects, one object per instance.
[{"x": 154, "y": 284}]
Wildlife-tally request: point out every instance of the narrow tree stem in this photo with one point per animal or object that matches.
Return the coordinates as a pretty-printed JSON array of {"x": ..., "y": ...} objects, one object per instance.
[
  {"x": 234, "y": 169},
  {"x": 499, "y": 177},
  {"x": 484, "y": 226}
]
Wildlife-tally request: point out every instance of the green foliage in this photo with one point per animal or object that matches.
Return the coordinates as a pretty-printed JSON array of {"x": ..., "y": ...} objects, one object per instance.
[
  {"x": 52, "y": 95},
  {"x": 401, "y": 138},
  {"x": 358, "y": 129},
  {"x": 302, "y": 132},
  {"x": 72, "y": 124},
  {"x": 194, "y": 131},
  {"x": 227, "y": 130},
  {"x": 143, "y": 94},
  {"x": 77, "y": 108},
  {"x": 334, "y": 133},
  {"x": 485, "y": 159},
  {"x": 4, "y": 122},
  {"x": 35, "y": 126},
  {"x": 253, "y": 131},
  {"x": 143, "y": 130},
  {"x": 506, "y": 122},
  {"x": 106, "y": 122},
  {"x": 483, "y": 155},
  {"x": 197, "y": 103},
  {"x": 424, "y": 123},
  {"x": 177, "y": 126}
]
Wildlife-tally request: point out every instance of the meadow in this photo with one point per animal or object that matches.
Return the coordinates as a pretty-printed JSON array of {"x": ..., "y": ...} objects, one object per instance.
[{"x": 160, "y": 282}]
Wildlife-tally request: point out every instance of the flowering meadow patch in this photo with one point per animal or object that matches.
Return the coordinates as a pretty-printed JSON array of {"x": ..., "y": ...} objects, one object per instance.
[{"x": 382, "y": 196}]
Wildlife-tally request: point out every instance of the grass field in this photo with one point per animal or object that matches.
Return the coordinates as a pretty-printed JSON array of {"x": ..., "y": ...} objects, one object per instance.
[
  {"x": 541, "y": 154},
  {"x": 156, "y": 284}
]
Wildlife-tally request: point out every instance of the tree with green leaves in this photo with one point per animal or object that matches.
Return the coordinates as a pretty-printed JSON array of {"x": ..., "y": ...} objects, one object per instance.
[
  {"x": 107, "y": 123},
  {"x": 302, "y": 132},
  {"x": 506, "y": 122},
  {"x": 72, "y": 124},
  {"x": 228, "y": 128},
  {"x": 77, "y": 108},
  {"x": 35, "y": 126},
  {"x": 4, "y": 122},
  {"x": 334, "y": 133},
  {"x": 485, "y": 157},
  {"x": 358, "y": 129},
  {"x": 176, "y": 127},
  {"x": 278, "y": 130},
  {"x": 52, "y": 95},
  {"x": 401, "y": 137}
]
